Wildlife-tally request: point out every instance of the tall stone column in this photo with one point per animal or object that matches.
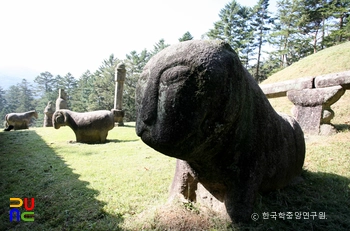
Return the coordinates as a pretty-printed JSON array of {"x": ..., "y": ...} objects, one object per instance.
[{"x": 118, "y": 111}]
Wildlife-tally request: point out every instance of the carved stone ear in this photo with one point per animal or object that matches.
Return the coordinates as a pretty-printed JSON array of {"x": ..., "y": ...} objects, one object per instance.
[{"x": 60, "y": 118}]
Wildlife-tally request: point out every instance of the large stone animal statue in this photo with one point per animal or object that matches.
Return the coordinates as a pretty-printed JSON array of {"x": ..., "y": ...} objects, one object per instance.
[
  {"x": 196, "y": 102},
  {"x": 89, "y": 127},
  {"x": 61, "y": 101},
  {"x": 19, "y": 121},
  {"x": 48, "y": 111}
]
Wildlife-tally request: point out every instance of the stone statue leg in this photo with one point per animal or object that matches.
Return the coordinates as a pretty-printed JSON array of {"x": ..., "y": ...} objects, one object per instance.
[
  {"x": 185, "y": 182},
  {"x": 103, "y": 137},
  {"x": 78, "y": 137},
  {"x": 239, "y": 204},
  {"x": 240, "y": 197}
]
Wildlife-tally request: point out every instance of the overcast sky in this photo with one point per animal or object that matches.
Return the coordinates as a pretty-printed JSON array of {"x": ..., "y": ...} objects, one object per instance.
[{"x": 77, "y": 35}]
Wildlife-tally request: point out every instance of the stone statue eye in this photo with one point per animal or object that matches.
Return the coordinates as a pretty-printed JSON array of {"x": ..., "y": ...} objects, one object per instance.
[{"x": 174, "y": 74}]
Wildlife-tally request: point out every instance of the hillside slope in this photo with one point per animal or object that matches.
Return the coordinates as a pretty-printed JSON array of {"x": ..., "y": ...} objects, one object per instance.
[{"x": 330, "y": 60}]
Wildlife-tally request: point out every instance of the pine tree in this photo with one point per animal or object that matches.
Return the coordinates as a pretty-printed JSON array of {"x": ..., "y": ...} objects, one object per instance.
[
  {"x": 339, "y": 11},
  {"x": 69, "y": 86},
  {"x": 233, "y": 27},
  {"x": 134, "y": 65},
  {"x": 80, "y": 96},
  {"x": 44, "y": 83},
  {"x": 12, "y": 98},
  {"x": 185, "y": 37},
  {"x": 159, "y": 46},
  {"x": 261, "y": 22},
  {"x": 3, "y": 106},
  {"x": 58, "y": 84},
  {"x": 26, "y": 97},
  {"x": 226, "y": 28},
  {"x": 290, "y": 44},
  {"x": 102, "y": 98}
]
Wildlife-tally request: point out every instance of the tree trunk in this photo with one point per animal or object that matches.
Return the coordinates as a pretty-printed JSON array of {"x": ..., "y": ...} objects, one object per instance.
[{"x": 340, "y": 28}]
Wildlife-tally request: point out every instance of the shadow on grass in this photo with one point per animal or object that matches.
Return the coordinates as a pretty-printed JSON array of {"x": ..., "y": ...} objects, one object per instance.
[
  {"x": 107, "y": 141},
  {"x": 120, "y": 141},
  {"x": 30, "y": 168},
  {"x": 319, "y": 193},
  {"x": 342, "y": 127}
]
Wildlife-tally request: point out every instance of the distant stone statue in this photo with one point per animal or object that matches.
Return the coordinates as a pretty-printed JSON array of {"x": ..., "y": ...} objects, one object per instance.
[
  {"x": 118, "y": 111},
  {"x": 196, "y": 102},
  {"x": 18, "y": 121},
  {"x": 48, "y": 111},
  {"x": 61, "y": 102},
  {"x": 88, "y": 127}
]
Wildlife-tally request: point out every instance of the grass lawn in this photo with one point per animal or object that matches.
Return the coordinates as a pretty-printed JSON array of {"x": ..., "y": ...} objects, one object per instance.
[
  {"x": 123, "y": 185},
  {"x": 80, "y": 186}
]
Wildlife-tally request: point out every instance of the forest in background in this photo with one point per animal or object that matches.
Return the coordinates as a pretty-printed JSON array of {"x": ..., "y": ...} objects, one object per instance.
[{"x": 265, "y": 43}]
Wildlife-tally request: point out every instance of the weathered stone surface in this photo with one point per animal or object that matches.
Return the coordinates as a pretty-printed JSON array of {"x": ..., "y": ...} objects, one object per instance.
[
  {"x": 309, "y": 118},
  {"x": 196, "y": 102},
  {"x": 334, "y": 79},
  {"x": 118, "y": 116},
  {"x": 280, "y": 89},
  {"x": 327, "y": 115},
  {"x": 316, "y": 96},
  {"x": 18, "y": 121},
  {"x": 48, "y": 112},
  {"x": 327, "y": 130},
  {"x": 61, "y": 102},
  {"x": 312, "y": 107},
  {"x": 89, "y": 127},
  {"x": 185, "y": 182}
]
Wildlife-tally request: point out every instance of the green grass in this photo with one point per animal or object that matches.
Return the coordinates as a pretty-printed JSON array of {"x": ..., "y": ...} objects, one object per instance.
[
  {"x": 123, "y": 185},
  {"x": 80, "y": 186}
]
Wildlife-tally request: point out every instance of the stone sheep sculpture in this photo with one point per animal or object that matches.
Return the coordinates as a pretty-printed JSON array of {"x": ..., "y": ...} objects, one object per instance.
[
  {"x": 196, "y": 102},
  {"x": 19, "y": 121},
  {"x": 89, "y": 127}
]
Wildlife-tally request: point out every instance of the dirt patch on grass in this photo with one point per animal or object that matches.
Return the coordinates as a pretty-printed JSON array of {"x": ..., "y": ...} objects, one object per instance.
[{"x": 180, "y": 216}]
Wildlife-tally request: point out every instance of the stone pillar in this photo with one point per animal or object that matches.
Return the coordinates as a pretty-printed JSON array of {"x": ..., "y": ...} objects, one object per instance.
[
  {"x": 312, "y": 108},
  {"x": 48, "y": 111},
  {"x": 118, "y": 111}
]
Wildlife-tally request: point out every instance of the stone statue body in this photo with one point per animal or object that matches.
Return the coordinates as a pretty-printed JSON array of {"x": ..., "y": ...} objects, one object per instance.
[
  {"x": 18, "y": 121},
  {"x": 196, "y": 102},
  {"x": 48, "y": 111},
  {"x": 88, "y": 127},
  {"x": 61, "y": 101}
]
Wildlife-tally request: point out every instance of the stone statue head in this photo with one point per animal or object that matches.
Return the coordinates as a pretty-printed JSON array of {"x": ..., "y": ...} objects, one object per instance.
[
  {"x": 184, "y": 97},
  {"x": 49, "y": 104},
  {"x": 62, "y": 94}
]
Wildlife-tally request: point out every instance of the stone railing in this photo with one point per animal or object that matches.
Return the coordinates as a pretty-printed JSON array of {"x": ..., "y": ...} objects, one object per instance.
[{"x": 312, "y": 98}]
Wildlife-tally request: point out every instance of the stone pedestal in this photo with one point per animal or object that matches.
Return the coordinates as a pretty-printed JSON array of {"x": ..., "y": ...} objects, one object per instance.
[{"x": 312, "y": 108}]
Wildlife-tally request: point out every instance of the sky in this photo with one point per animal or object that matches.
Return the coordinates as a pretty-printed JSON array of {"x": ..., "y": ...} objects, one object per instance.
[{"x": 77, "y": 35}]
